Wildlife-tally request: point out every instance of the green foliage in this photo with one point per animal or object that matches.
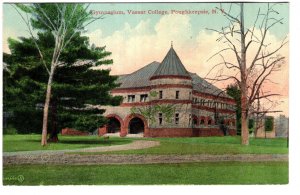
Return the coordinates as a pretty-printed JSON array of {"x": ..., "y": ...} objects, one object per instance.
[
  {"x": 76, "y": 89},
  {"x": 151, "y": 112},
  {"x": 251, "y": 123},
  {"x": 153, "y": 93},
  {"x": 269, "y": 123},
  {"x": 47, "y": 16},
  {"x": 235, "y": 93},
  {"x": 9, "y": 130}
]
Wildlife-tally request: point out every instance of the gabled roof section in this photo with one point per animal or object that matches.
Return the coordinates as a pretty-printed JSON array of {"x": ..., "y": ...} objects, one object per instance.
[
  {"x": 139, "y": 78},
  {"x": 171, "y": 66},
  {"x": 201, "y": 85}
]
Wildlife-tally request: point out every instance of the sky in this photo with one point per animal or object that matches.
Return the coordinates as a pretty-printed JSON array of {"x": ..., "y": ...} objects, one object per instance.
[{"x": 136, "y": 40}]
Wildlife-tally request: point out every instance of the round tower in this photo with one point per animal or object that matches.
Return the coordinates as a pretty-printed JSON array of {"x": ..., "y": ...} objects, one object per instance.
[{"x": 171, "y": 89}]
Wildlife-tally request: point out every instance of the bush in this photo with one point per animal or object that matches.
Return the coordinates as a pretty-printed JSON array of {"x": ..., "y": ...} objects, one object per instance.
[
  {"x": 269, "y": 123},
  {"x": 10, "y": 130},
  {"x": 26, "y": 121}
]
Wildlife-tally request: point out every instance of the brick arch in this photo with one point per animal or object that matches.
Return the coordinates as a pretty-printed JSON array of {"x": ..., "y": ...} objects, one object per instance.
[
  {"x": 195, "y": 117},
  {"x": 103, "y": 130},
  {"x": 127, "y": 120},
  {"x": 209, "y": 119},
  {"x": 117, "y": 117},
  {"x": 202, "y": 118}
]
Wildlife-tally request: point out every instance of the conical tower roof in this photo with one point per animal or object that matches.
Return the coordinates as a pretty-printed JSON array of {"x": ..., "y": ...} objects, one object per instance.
[{"x": 171, "y": 66}]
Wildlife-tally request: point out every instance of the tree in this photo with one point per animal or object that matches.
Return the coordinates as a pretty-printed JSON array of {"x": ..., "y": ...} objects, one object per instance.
[
  {"x": 64, "y": 21},
  {"x": 251, "y": 74},
  {"x": 235, "y": 93},
  {"x": 78, "y": 92},
  {"x": 26, "y": 82}
]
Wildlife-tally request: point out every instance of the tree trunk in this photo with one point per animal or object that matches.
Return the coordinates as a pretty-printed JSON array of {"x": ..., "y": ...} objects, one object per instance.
[
  {"x": 244, "y": 90},
  {"x": 245, "y": 131},
  {"x": 46, "y": 107},
  {"x": 54, "y": 131}
]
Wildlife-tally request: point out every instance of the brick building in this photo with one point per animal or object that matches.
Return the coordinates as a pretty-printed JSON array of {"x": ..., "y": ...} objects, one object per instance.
[{"x": 194, "y": 106}]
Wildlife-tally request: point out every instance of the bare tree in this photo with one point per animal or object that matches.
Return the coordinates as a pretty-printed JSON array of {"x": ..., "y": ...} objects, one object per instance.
[
  {"x": 254, "y": 73},
  {"x": 259, "y": 111},
  {"x": 63, "y": 21}
]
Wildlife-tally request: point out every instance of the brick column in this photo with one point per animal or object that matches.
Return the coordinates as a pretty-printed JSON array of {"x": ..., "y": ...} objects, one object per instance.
[{"x": 102, "y": 130}]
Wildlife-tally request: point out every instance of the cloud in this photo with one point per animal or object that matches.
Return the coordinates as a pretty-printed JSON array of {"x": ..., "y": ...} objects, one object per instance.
[
  {"x": 133, "y": 47},
  {"x": 7, "y": 33}
]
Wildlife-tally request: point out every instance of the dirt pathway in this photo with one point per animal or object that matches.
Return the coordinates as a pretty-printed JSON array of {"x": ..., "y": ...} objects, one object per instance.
[
  {"x": 61, "y": 157},
  {"x": 76, "y": 159},
  {"x": 135, "y": 145}
]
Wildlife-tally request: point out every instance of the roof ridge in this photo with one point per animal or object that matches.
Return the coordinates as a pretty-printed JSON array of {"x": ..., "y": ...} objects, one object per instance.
[{"x": 171, "y": 65}]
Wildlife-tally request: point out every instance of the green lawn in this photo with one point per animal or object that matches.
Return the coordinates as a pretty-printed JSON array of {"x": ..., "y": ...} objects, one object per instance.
[
  {"x": 185, "y": 173},
  {"x": 211, "y": 145},
  {"x": 12, "y": 143},
  {"x": 189, "y": 145}
]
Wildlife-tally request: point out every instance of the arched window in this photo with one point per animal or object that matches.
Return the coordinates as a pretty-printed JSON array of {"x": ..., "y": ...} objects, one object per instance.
[
  {"x": 195, "y": 121},
  {"x": 202, "y": 121},
  {"x": 209, "y": 121}
]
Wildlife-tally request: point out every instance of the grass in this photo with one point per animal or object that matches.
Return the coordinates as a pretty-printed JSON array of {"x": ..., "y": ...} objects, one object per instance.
[
  {"x": 188, "y": 145},
  {"x": 185, "y": 173},
  {"x": 30, "y": 142},
  {"x": 210, "y": 145}
]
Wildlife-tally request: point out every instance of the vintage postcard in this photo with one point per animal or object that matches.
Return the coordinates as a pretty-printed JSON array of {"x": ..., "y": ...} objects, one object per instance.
[{"x": 149, "y": 93}]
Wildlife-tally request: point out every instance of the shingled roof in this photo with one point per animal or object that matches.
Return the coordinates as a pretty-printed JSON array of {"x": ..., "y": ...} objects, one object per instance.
[
  {"x": 171, "y": 65},
  {"x": 141, "y": 78}
]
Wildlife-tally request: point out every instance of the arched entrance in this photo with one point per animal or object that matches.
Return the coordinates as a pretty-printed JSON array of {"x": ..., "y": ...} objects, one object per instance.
[
  {"x": 136, "y": 126},
  {"x": 113, "y": 125}
]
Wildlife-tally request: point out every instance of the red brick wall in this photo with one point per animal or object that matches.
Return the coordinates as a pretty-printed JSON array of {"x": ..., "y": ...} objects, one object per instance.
[
  {"x": 102, "y": 130},
  {"x": 69, "y": 131}
]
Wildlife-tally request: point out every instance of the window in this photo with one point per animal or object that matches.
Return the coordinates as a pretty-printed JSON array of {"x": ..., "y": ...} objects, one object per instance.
[
  {"x": 209, "y": 122},
  {"x": 177, "y": 94},
  {"x": 202, "y": 121},
  {"x": 194, "y": 100},
  {"x": 190, "y": 119},
  {"x": 160, "y": 118},
  {"x": 177, "y": 118},
  {"x": 131, "y": 98},
  {"x": 195, "y": 121},
  {"x": 160, "y": 94},
  {"x": 143, "y": 97}
]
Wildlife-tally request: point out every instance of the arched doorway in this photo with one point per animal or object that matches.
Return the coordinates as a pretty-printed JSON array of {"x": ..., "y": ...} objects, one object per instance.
[
  {"x": 136, "y": 126},
  {"x": 114, "y": 125}
]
